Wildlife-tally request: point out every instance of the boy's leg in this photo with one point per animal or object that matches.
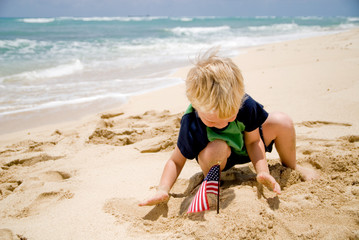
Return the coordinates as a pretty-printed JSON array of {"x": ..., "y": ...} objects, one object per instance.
[
  {"x": 216, "y": 152},
  {"x": 279, "y": 128}
]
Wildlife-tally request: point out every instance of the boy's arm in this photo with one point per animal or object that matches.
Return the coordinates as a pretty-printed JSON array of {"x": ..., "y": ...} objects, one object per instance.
[
  {"x": 170, "y": 173},
  {"x": 256, "y": 152}
]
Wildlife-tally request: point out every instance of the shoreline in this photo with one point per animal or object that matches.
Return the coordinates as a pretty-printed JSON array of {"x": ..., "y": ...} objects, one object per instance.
[
  {"x": 73, "y": 113},
  {"x": 33, "y": 119}
]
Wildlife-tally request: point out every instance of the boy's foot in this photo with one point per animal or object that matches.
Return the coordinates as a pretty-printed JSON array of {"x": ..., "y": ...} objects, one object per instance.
[
  {"x": 267, "y": 180},
  {"x": 307, "y": 173}
]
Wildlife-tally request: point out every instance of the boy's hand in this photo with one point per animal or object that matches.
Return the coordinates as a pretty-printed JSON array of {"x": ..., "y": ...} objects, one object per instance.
[
  {"x": 267, "y": 180},
  {"x": 159, "y": 197}
]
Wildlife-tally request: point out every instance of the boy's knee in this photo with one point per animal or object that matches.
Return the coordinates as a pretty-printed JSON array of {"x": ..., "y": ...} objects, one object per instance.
[
  {"x": 281, "y": 119},
  {"x": 217, "y": 150}
]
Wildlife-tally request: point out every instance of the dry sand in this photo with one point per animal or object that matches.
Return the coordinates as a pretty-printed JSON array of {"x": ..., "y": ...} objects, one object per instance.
[{"x": 83, "y": 180}]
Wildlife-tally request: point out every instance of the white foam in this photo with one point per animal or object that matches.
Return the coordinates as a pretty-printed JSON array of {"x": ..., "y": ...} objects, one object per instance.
[
  {"x": 103, "y": 19},
  {"x": 19, "y": 42},
  {"x": 198, "y": 30},
  {"x": 310, "y": 17},
  {"x": 37, "y": 20},
  {"x": 58, "y": 71},
  {"x": 132, "y": 18},
  {"x": 182, "y": 19},
  {"x": 155, "y": 83},
  {"x": 353, "y": 19},
  {"x": 62, "y": 70},
  {"x": 206, "y": 17},
  {"x": 265, "y": 17},
  {"x": 107, "y": 19},
  {"x": 346, "y": 26},
  {"x": 275, "y": 27}
]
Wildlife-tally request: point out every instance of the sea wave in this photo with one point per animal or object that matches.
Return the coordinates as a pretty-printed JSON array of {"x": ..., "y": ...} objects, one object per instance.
[
  {"x": 108, "y": 19},
  {"x": 353, "y": 19},
  {"x": 58, "y": 71},
  {"x": 186, "y": 31},
  {"x": 74, "y": 98},
  {"x": 309, "y": 17},
  {"x": 265, "y": 17},
  {"x": 22, "y": 45},
  {"x": 126, "y": 19},
  {"x": 345, "y": 26},
  {"x": 275, "y": 27},
  {"x": 182, "y": 19},
  {"x": 37, "y": 20}
]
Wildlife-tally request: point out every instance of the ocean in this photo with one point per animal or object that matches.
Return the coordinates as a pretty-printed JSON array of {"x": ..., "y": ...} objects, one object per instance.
[{"x": 63, "y": 68}]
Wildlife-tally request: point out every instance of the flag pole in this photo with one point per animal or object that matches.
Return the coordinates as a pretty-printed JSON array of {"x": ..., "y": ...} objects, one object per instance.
[{"x": 219, "y": 177}]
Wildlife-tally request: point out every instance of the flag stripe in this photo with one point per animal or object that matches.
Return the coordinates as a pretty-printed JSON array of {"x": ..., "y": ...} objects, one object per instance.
[
  {"x": 200, "y": 202},
  {"x": 209, "y": 185}
]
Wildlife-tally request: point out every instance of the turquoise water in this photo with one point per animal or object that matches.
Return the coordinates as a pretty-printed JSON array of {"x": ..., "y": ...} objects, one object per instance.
[{"x": 48, "y": 63}]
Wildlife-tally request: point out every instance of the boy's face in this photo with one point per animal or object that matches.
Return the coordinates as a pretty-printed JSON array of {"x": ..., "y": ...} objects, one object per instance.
[{"x": 212, "y": 119}]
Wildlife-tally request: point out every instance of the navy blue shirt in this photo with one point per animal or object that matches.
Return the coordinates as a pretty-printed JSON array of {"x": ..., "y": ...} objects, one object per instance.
[{"x": 194, "y": 135}]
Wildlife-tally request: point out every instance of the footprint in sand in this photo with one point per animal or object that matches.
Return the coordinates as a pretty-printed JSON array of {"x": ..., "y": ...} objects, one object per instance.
[
  {"x": 32, "y": 160},
  {"x": 53, "y": 176},
  {"x": 40, "y": 179},
  {"x": 28, "y": 146},
  {"x": 351, "y": 138},
  {"x": 322, "y": 123},
  {"x": 8, "y": 187},
  {"x": 6, "y": 234},
  {"x": 10, "y": 180},
  {"x": 111, "y": 115},
  {"x": 45, "y": 200}
]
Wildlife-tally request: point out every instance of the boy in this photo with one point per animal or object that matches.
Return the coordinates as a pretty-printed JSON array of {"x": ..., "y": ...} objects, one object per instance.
[{"x": 225, "y": 126}]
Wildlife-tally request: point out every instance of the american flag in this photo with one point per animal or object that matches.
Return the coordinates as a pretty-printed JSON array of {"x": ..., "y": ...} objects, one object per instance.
[{"x": 209, "y": 185}]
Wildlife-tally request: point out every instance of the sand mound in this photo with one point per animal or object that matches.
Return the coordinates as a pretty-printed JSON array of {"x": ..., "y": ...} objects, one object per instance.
[{"x": 151, "y": 132}]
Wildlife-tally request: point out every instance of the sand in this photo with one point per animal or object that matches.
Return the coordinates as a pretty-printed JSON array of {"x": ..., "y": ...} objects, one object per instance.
[{"x": 84, "y": 179}]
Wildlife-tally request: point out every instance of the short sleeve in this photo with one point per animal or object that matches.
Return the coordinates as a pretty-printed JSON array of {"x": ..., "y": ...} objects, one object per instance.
[
  {"x": 192, "y": 137},
  {"x": 252, "y": 114}
]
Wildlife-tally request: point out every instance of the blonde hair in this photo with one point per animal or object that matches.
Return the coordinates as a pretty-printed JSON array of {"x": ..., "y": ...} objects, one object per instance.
[{"x": 215, "y": 84}]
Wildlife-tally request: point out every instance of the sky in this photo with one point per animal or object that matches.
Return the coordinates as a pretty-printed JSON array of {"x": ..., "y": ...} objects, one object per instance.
[{"x": 100, "y": 8}]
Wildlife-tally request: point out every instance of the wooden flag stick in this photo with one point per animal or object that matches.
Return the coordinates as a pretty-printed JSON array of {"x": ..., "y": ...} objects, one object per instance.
[{"x": 219, "y": 177}]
